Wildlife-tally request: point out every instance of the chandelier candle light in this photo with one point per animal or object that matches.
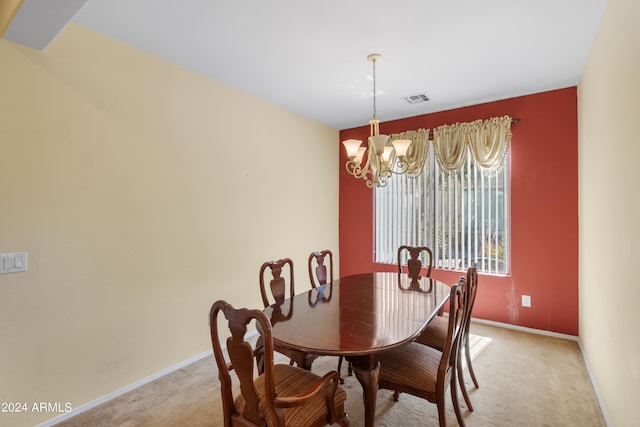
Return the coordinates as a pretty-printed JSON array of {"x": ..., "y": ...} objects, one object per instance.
[{"x": 383, "y": 158}]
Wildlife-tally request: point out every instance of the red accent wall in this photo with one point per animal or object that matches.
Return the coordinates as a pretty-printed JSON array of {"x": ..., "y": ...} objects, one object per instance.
[{"x": 544, "y": 211}]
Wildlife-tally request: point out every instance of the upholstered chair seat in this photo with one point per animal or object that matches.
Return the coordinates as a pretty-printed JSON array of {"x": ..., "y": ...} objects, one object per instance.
[
  {"x": 416, "y": 366},
  {"x": 292, "y": 381},
  {"x": 435, "y": 334}
]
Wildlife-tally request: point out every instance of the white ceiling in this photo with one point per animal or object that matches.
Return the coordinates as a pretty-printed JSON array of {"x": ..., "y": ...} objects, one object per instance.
[{"x": 310, "y": 56}]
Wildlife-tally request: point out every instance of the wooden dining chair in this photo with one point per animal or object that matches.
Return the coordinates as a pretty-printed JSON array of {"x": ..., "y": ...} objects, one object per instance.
[
  {"x": 418, "y": 257},
  {"x": 275, "y": 289},
  {"x": 318, "y": 273},
  {"x": 435, "y": 334},
  {"x": 318, "y": 276},
  {"x": 423, "y": 371},
  {"x": 282, "y": 395}
]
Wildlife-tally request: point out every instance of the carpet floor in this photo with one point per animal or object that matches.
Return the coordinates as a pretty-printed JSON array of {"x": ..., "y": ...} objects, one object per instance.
[{"x": 525, "y": 380}]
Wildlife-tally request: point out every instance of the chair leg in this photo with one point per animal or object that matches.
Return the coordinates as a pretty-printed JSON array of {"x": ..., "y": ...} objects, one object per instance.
[
  {"x": 340, "y": 369},
  {"x": 463, "y": 387},
  {"x": 344, "y": 421},
  {"x": 349, "y": 369},
  {"x": 454, "y": 398},
  {"x": 469, "y": 366},
  {"x": 441, "y": 409}
]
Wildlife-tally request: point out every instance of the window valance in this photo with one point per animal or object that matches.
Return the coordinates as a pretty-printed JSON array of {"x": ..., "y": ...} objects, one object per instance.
[{"x": 486, "y": 140}]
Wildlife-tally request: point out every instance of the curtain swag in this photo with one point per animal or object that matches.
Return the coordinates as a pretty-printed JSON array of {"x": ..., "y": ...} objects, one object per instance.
[
  {"x": 418, "y": 152},
  {"x": 486, "y": 140}
]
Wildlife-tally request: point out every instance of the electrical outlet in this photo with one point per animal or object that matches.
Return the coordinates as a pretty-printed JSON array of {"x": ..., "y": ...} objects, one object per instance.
[{"x": 526, "y": 301}]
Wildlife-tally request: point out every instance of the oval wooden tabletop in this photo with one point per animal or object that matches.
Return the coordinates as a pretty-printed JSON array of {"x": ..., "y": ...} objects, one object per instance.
[{"x": 357, "y": 315}]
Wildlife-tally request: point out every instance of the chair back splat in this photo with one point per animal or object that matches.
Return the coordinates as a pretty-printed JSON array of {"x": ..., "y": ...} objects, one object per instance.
[
  {"x": 414, "y": 263},
  {"x": 277, "y": 283},
  {"x": 318, "y": 275}
]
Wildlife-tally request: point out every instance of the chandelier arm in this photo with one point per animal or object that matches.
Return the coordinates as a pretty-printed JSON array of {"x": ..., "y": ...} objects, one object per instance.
[
  {"x": 412, "y": 163},
  {"x": 402, "y": 166},
  {"x": 357, "y": 171},
  {"x": 361, "y": 171}
]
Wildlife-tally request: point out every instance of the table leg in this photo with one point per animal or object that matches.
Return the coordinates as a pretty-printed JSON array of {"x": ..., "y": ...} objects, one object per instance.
[{"x": 367, "y": 369}]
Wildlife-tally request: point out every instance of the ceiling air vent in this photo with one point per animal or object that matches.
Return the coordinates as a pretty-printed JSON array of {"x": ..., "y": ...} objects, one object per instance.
[{"x": 417, "y": 99}]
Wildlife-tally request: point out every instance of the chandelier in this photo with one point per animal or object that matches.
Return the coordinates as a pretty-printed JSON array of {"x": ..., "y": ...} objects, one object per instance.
[{"x": 383, "y": 158}]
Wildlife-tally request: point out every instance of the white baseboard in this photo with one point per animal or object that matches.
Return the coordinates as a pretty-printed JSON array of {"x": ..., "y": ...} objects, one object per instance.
[
  {"x": 525, "y": 329},
  {"x": 557, "y": 335},
  {"x": 126, "y": 389},
  {"x": 123, "y": 390},
  {"x": 595, "y": 385}
]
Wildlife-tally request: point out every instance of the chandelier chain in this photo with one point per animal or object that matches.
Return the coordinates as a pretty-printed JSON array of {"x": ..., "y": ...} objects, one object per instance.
[{"x": 374, "y": 88}]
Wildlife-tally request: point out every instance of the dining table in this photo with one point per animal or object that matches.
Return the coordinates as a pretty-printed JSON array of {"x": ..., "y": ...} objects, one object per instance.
[{"x": 357, "y": 317}]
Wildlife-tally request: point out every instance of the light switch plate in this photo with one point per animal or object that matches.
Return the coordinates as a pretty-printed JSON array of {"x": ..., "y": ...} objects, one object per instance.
[
  {"x": 13, "y": 262},
  {"x": 526, "y": 301}
]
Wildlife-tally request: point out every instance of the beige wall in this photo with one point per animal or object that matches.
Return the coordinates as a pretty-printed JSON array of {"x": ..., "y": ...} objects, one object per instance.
[
  {"x": 142, "y": 193},
  {"x": 609, "y": 210}
]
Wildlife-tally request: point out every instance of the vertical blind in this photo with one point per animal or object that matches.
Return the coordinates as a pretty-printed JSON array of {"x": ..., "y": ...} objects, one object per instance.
[{"x": 463, "y": 216}]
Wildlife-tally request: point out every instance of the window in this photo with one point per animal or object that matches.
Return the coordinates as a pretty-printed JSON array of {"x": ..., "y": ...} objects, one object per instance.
[{"x": 462, "y": 216}]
